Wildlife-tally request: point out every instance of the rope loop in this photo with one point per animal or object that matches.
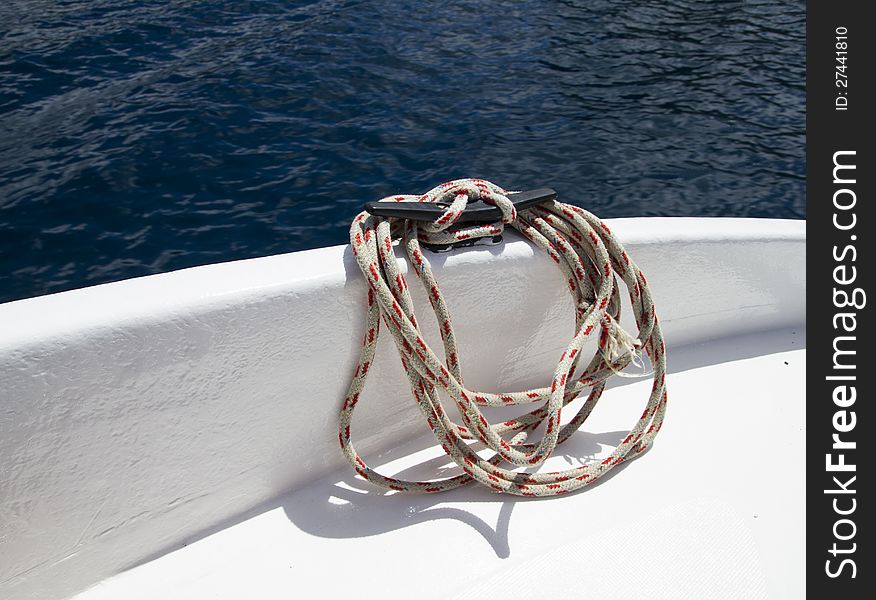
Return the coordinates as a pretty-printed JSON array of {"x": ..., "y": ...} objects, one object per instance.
[{"x": 591, "y": 260}]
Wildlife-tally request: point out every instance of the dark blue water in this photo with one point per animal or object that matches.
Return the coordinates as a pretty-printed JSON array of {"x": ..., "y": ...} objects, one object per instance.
[{"x": 138, "y": 137}]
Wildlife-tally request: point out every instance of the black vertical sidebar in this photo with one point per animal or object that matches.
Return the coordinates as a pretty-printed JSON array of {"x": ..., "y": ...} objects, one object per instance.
[{"x": 840, "y": 63}]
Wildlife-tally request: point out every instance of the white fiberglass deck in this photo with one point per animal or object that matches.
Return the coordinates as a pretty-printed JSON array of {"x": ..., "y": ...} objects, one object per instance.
[
  {"x": 174, "y": 436},
  {"x": 715, "y": 511}
]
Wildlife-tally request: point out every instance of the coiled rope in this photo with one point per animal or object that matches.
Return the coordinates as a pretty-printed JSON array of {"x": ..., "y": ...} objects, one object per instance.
[{"x": 590, "y": 258}]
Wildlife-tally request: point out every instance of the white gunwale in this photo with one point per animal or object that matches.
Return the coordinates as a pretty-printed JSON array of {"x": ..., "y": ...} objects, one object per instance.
[{"x": 141, "y": 415}]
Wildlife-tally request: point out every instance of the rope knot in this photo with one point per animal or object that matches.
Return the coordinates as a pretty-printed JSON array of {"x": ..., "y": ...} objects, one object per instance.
[
  {"x": 457, "y": 194},
  {"x": 454, "y": 196}
]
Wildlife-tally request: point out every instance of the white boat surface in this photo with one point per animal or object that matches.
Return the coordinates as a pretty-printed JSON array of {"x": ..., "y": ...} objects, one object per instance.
[{"x": 175, "y": 436}]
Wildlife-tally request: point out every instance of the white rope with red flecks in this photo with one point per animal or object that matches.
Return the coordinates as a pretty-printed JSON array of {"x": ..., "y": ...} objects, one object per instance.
[{"x": 591, "y": 259}]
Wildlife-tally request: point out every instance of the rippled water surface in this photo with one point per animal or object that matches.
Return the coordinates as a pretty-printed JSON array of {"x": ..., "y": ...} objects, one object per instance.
[{"x": 138, "y": 137}]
